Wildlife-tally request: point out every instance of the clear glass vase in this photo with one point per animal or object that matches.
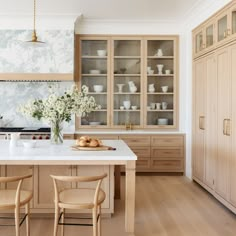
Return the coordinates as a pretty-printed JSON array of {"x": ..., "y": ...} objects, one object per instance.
[{"x": 56, "y": 132}]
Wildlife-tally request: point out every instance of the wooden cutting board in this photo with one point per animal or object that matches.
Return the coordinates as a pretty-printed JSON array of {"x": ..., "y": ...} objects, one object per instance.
[{"x": 100, "y": 148}]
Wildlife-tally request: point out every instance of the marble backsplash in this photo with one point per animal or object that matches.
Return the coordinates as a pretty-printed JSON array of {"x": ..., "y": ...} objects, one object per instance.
[
  {"x": 14, "y": 94},
  {"x": 16, "y": 56}
]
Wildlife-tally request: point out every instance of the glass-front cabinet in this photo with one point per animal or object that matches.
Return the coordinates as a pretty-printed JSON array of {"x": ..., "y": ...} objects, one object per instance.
[
  {"x": 215, "y": 31},
  {"x": 126, "y": 82},
  {"x": 160, "y": 83},
  {"x": 94, "y": 73},
  {"x": 134, "y": 79}
]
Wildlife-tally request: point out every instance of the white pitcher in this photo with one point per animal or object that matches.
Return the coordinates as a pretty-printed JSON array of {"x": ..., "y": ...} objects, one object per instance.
[{"x": 14, "y": 139}]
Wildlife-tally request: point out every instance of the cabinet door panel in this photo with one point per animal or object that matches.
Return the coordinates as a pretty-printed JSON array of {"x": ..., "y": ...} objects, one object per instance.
[
  {"x": 233, "y": 123},
  {"x": 198, "y": 148},
  {"x": 43, "y": 184},
  {"x": 211, "y": 120},
  {"x": 97, "y": 170},
  {"x": 16, "y": 170},
  {"x": 223, "y": 141}
]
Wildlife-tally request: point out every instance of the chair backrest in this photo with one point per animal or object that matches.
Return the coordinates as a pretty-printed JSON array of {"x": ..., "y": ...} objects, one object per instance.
[
  {"x": 77, "y": 179},
  {"x": 18, "y": 179}
]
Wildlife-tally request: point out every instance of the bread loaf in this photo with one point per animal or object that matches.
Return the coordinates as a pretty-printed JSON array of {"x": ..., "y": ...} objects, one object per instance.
[{"x": 86, "y": 141}]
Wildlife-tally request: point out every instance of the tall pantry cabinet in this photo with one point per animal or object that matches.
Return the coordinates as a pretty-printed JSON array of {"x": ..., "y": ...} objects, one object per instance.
[{"x": 214, "y": 111}]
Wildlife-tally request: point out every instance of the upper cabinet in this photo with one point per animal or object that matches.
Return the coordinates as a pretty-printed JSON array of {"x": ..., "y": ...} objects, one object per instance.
[
  {"x": 217, "y": 30},
  {"x": 133, "y": 78}
]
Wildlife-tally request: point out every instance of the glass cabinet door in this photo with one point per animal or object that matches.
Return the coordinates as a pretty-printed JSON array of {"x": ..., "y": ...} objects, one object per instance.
[
  {"x": 222, "y": 28},
  {"x": 198, "y": 42},
  {"x": 209, "y": 35},
  {"x": 160, "y": 85},
  {"x": 127, "y": 89},
  {"x": 233, "y": 19},
  {"x": 94, "y": 74}
]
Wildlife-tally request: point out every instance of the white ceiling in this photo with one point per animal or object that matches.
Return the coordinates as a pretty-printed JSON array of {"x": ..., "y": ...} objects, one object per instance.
[{"x": 158, "y": 10}]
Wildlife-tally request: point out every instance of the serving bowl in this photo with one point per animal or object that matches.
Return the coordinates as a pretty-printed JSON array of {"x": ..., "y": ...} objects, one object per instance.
[
  {"x": 102, "y": 53},
  {"x": 94, "y": 123},
  {"x": 98, "y": 88},
  {"x": 94, "y": 71},
  {"x": 162, "y": 121},
  {"x": 29, "y": 144}
]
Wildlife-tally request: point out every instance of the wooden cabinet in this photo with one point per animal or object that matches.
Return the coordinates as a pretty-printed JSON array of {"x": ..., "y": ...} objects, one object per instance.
[
  {"x": 198, "y": 149},
  {"x": 42, "y": 184},
  {"x": 167, "y": 153},
  {"x": 215, "y": 31},
  {"x": 232, "y": 166},
  {"x": 223, "y": 117},
  {"x": 214, "y": 162},
  {"x": 138, "y": 77},
  {"x": 158, "y": 153}
]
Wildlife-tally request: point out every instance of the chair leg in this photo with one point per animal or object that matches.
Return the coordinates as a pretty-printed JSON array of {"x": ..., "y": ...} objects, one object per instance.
[
  {"x": 62, "y": 221},
  {"x": 17, "y": 221},
  {"x": 56, "y": 220},
  {"x": 99, "y": 221},
  {"x": 27, "y": 211},
  {"x": 95, "y": 229}
]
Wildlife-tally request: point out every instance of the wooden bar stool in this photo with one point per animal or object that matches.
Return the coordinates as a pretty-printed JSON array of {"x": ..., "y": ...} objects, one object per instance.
[
  {"x": 14, "y": 199},
  {"x": 78, "y": 198}
]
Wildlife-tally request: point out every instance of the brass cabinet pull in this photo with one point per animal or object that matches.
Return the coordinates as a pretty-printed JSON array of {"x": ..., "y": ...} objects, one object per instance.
[
  {"x": 227, "y": 130},
  {"x": 201, "y": 122},
  {"x": 226, "y": 127}
]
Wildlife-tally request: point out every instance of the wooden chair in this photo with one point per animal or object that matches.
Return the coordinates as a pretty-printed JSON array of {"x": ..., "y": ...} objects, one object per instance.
[
  {"x": 14, "y": 199},
  {"x": 79, "y": 198}
]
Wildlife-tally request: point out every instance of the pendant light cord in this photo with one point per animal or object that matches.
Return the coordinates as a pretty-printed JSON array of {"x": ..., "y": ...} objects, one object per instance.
[{"x": 34, "y": 14}]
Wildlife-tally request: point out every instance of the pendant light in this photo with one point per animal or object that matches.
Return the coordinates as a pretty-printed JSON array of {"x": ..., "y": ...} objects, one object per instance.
[{"x": 34, "y": 41}]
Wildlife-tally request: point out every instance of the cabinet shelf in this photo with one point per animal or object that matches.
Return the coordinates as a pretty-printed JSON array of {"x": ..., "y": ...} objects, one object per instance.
[
  {"x": 159, "y": 93},
  {"x": 92, "y": 75},
  {"x": 94, "y": 57},
  {"x": 94, "y": 93},
  {"x": 167, "y": 110},
  {"x": 127, "y": 93},
  {"x": 127, "y": 110},
  {"x": 161, "y": 75},
  {"x": 163, "y": 57},
  {"x": 127, "y": 57},
  {"x": 122, "y": 75},
  {"x": 100, "y": 110}
]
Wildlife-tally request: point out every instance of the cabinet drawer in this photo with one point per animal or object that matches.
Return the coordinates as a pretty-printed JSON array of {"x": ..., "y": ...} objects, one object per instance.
[
  {"x": 141, "y": 152},
  {"x": 143, "y": 163},
  {"x": 167, "y": 165},
  {"x": 171, "y": 141},
  {"x": 170, "y": 152},
  {"x": 136, "y": 141}
]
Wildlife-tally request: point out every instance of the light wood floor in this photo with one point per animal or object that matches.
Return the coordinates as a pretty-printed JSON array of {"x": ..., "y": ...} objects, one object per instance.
[{"x": 165, "y": 206}]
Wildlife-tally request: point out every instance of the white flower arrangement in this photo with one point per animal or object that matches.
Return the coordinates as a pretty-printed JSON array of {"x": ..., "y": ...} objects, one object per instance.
[{"x": 57, "y": 108}]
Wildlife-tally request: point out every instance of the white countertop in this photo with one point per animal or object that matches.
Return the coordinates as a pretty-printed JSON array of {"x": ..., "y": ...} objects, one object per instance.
[{"x": 45, "y": 152}]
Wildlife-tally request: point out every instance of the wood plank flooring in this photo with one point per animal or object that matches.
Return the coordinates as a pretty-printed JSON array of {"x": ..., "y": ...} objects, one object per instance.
[{"x": 165, "y": 206}]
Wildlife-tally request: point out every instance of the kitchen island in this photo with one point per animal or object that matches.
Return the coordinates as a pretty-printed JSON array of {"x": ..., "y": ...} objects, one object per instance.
[{"x": 45, "y": 154}]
